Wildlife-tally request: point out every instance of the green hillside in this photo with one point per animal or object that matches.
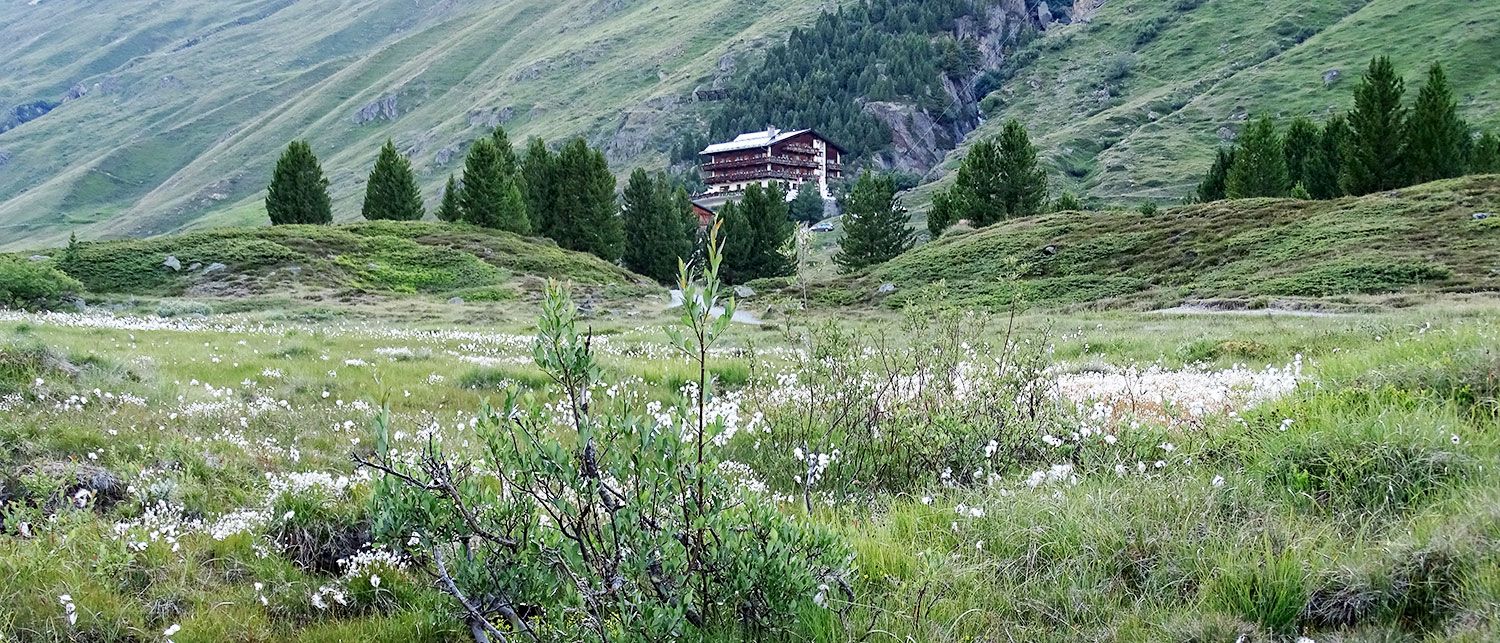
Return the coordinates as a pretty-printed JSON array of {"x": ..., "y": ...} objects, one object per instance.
[
  {"x": 1423, "y": 238},
  {"x": 172, "y": 114},
  {"x": 147, "y": 117},
  {"x": 1131, "y": 103},
  {"x": 386, "y": 258}
]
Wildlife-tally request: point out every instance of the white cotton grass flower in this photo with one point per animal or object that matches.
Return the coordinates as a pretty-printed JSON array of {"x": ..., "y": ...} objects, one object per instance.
[
  {"x": 172, "y": 629},
  {"x": 1218, "y": 481}
]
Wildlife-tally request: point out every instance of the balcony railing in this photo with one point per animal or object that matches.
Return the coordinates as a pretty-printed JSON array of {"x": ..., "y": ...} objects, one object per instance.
[
  {"x": 798, "y": 147},
  {"x": 755, "y": 175},
  {"x": 761, "y": 160}
]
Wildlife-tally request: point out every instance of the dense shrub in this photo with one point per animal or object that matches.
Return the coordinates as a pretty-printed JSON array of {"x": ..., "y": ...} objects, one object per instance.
[
  {"x": 603, "y": 517},
  {"x": 34, "y": 285}
]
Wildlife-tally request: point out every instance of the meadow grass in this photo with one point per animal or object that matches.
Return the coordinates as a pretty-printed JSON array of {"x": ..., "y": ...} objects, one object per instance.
[{"x": 1361, "y": 506}]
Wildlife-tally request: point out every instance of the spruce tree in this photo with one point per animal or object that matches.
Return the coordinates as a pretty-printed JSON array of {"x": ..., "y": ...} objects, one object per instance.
[
  {"x": 1214, "y": 186},
  {"x": 977, "y": 192},
  {"x": 1436, "y": 138},
  {"x": 656, "y": 234},
  {"x": 942, "y": 213},
  {"x": 586, "y": 216},
  {"x": 539, "y": 185},
  {"x": 687, "y": 222},
  {"x": 506, "y": 153},
  {"x": 1375, "y": 157},
  {"x": 391, "y": 192},
  {"x": 1300, "y": 145},
  {"x": 757, "y": 231},
  {"x": 450, "y": 210},
  {"x": 1323, "y": 181},
  {"x": 490, "y": 198},
  {"x": 1023, "y": 181},
  {"x": 298, "y": 191},
  {"x": 1486, "y": 156},
  {"x": 808, "y": 206},
  {"x": 739, "y": 244},
  {"x": 1259, "y": 168},
  {"x": 874, "y": 224}
]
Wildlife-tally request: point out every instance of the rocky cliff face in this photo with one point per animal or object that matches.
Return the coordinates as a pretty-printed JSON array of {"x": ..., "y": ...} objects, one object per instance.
[{"x": 919, "y": 139}]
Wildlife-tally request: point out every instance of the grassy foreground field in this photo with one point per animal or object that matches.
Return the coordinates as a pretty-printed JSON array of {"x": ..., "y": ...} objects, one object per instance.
[{"x": 1186, "y": 477}]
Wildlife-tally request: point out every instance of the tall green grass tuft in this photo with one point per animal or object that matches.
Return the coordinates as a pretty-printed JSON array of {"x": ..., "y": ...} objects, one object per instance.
[{"x": 1269, "y": 589}]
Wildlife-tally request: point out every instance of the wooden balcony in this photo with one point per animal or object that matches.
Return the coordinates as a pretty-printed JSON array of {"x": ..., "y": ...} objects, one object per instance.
[
  {"x": 793, "y": 161},
  {"x": 756, "y": 175}
]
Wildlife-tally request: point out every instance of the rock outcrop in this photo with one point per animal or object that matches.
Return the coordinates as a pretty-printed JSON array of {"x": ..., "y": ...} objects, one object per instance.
[
  {"x": 383, "y": 108},
  {"x": 918, "y": 142}
]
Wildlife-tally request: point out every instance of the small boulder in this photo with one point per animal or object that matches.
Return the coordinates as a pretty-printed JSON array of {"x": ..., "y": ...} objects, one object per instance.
[
  {"x": 1480, "y": 216},
  {"x": 193, "y": 267},
  {"x": 39, "y": 257},
  {"x": 172, "y": 262},
  {"x": 1331, "y": 76},
  {"x": 215, "y": 267},
  {"x": 744, "y": 292},
  {"x": 886, "y": 288},
  {"x": 456, "y": 301}
]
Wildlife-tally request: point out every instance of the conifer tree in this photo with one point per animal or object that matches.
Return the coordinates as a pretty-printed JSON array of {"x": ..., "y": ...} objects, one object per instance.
[
  {"x": 585, "y": 216},
  {"x": 298, "y": 191},
  {"x": 391, "y": 192},
  {"x": 1259, "y": 168},
  {"x": 656, "y": 234},
  {"x": 1323, "y": 180},
  {"x": 1375, "y": 157},
  {"x": 1214, "y": 186},
  {"x": 739, "y": 243},
  {"x": 489, "y": 197},
  {"x": 808, "y": 206},
  {"x": 1300, "y": 145},
  {"x": 1436, "y": 138},
  {"x": 1000, "y": 179},
  {"x": 450, "y": 210},
  {"x": 1486, "y": 156},
  {"x": 506, "y": 153},
  {"x": 764, "y": 230},
  {"x": 977, "y": 192},
  {"x": 874, "y": 224},
  {"x": 1023, "y": 181},
  {"x": 942, "y": 214},
  {"x": 539, "y": 186}
]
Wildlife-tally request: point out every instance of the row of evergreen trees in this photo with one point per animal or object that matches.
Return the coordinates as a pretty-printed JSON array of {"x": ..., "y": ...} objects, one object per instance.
[
  {"x": 1379, "y": 145},
  {"x": 1000, "y": 178},
  {"x": 567, "y": 195}
]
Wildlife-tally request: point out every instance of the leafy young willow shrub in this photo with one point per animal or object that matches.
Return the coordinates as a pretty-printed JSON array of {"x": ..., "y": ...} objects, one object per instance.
[
  {"x": 860, "y": 414},
  {"x": 34, "y": 285},
  {"x": 602, "y": 516}
]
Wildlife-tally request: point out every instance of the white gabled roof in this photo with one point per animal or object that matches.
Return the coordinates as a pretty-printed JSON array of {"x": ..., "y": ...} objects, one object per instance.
[{"x": 753, "y": 140}]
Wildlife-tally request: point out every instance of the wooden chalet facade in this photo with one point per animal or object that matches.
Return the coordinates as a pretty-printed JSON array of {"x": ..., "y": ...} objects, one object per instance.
[{"x": 797, "y": 158}]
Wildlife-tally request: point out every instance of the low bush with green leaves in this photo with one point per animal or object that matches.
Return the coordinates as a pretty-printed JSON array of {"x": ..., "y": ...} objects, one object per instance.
[
  {"x": 34, "y": 285},
  {"x": 604, "y": 516}
]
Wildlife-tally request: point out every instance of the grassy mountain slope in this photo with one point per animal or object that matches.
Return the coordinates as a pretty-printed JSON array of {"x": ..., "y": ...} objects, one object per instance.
[
  {"x": 181, "y": 108},
  {"x": 1131, "y": 104},
  {"x": 1422, "y": 238},
  {"x": 381, "y": 257}
]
